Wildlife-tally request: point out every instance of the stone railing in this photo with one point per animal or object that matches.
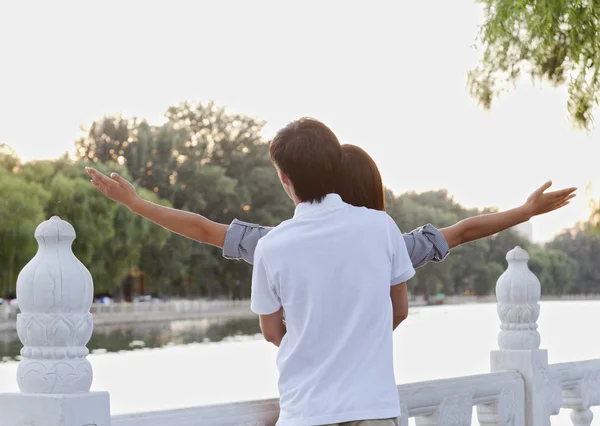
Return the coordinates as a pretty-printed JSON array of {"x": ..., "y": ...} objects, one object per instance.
[
  {"x": 172, "y": 306},
  {"x": 55, "y": 294},
  {"x": 498, "y": 396},
  {"x": 9, "y": 312}
]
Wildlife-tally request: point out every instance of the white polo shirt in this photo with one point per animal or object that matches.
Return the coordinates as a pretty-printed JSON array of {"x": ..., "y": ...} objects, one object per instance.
[{"x": 331, "y": 267}]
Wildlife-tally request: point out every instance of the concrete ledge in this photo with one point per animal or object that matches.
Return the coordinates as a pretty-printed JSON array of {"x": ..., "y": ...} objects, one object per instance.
[
  {"x": 86, "y": 409},
  {"x": 255, "y": 413}
]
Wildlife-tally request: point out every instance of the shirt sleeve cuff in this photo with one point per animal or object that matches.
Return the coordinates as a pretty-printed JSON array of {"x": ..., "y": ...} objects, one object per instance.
[
  {"x": 233, "y": 238},
  {"x": 405, "y": 276},
  {"x": 241, "y": 239},
  {"x": 439, "y": 242},
  {"x": 264, "y": 310}
]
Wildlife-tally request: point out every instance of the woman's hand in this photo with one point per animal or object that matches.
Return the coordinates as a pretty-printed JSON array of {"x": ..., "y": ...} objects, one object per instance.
[
  {"x": 114, "y": 187},
  {"x": 539, "y": 202},
  {"x": 484, "y": 225},
  {"x": 188, "y": 224}
]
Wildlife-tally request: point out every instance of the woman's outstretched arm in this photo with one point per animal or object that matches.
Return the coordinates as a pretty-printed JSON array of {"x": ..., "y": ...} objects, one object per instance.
[
  {"x": 188, "y": 224},
  {"x": 485, "y": 225},
  {"x": 239, "y": 240}
]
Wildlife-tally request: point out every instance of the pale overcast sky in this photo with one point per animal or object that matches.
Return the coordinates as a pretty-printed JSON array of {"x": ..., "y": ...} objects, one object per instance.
[{"x": 387, "y": 76}]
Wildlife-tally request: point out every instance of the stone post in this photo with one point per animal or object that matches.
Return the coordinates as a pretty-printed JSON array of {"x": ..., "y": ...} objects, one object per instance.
[
  {"x": 55, "y": 292},
  {"x": 518, "y": 292}
]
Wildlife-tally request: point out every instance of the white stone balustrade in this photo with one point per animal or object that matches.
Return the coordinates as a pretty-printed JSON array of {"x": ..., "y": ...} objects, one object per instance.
[
  {"x": 447, "y": 402},
  {"x": 518, "y": 292},
  {"x": 579, "y": 383},
  {"x": 55, "y": 292},
  {"x": 523, "y": 390}
]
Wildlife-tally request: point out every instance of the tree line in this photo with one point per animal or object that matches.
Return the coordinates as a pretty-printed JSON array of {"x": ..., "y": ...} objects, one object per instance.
[{"x": 210, "y": 161}]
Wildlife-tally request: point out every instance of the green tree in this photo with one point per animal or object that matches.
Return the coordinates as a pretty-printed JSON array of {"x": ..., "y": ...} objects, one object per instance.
[
  {"x": 208, "y": 160},
  {"x": 556, "y": 41},
  {"x": 204, "y": 159},
  {"x": 9, "y": 160},
  {"x": 582, "y": 244},
  {"x": 21, "y": 211},
  {"x": 108, "y": 139},
  {"x": 232, "y": 141},
  {"x": 557, "y": 271},
  {"x": 268, "y": 203},
  {"x": 120, "y": 249},
  {"x": 486, "y": 278},
  {"x": 166, "y": 266},
  {"x": 468, "y": 272}
]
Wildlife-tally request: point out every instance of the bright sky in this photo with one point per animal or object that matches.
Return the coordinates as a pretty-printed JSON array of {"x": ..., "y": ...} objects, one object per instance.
[{"x": 387, "y": 76}]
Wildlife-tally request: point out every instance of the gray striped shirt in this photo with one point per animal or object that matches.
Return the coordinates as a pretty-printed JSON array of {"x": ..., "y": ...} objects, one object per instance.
[{"x": 424, "y": 244}]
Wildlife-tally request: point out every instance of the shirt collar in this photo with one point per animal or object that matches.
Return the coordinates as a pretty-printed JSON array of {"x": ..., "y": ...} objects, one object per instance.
[{"x": 330, "y": 200}]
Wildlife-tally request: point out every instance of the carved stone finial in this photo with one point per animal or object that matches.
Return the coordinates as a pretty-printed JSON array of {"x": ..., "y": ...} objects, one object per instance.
[
  {"x": 55, "y": 293},
  {"x": 518, "y": 292}
]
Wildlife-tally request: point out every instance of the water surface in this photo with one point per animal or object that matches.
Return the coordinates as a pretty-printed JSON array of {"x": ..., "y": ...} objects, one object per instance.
[{"x": 190, "y": 363}]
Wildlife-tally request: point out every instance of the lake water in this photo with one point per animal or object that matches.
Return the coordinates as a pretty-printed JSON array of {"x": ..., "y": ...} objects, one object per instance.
[{"x": 190, "y": 363}]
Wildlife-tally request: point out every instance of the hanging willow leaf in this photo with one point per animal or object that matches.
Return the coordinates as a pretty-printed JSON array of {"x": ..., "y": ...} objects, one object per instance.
[{"x": 556, "y": 41}]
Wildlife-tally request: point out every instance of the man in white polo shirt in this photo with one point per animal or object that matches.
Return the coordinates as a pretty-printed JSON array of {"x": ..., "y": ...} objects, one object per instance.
[{"x": 332, "y": 268}]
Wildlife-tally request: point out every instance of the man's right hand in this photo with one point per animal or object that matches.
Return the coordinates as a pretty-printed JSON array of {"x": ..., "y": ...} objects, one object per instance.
[{"x": 114, "y": 187}]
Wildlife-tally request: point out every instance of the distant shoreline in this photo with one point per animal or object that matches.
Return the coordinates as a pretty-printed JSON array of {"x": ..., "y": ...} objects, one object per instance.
[{"x": 241, "y": 309}]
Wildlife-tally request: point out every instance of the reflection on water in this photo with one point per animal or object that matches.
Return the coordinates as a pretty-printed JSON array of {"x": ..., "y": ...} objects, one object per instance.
[{"x": 148, "y": 335}]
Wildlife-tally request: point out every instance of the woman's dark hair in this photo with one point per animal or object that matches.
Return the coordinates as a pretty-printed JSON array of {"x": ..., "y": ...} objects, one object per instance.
[{"x": 361, "y": 183}]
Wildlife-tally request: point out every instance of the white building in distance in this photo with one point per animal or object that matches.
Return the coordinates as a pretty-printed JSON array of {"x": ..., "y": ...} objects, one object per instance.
[{"x": 524, "y": 229}]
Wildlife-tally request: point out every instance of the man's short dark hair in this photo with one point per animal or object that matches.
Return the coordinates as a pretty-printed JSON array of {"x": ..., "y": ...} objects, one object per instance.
[{"x": 310, "y": 155}]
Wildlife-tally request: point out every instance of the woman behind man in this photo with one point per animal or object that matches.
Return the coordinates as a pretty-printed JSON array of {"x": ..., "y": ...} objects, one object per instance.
[
  {"x": 361, "y": 186},
  {"x": 333, "y": 269}
]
